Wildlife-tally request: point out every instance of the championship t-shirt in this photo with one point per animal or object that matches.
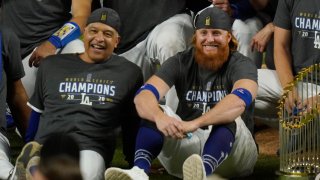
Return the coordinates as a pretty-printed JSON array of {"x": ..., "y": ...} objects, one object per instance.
[
  {"x": 199, "y": 89},
  {"x": 87, "y": 101},
  {"x": 303, "y": 20}
]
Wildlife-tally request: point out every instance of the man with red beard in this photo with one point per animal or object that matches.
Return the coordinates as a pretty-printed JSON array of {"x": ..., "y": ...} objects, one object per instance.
[{"x": 211, "y": 133}]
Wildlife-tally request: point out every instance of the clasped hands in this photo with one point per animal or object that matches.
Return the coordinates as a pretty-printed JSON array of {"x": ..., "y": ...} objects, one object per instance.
[{"x": 175, "y": 128}]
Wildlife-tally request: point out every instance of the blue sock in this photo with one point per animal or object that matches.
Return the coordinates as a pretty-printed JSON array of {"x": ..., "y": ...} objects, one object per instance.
[
  {"x": 217, "y": 148},
  {"x": 148, "y": 146}
]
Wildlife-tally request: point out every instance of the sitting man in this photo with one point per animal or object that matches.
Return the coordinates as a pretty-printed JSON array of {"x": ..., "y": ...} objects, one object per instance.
[
  {"x": 11, "y": 91},
  {"x": 216, "y": 86},
  {"x": 88, "y": 95}
]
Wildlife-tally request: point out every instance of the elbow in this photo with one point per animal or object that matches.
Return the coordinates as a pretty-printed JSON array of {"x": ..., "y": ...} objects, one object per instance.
[
  {"x": 138, "y": 104},
  {"x": 137, "y": 101}
]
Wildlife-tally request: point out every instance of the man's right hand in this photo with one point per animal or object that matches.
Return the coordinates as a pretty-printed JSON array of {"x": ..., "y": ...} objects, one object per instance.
[
  {"x": 45, "y": 49},
  {"x": 170, "y": 126},
  {"x": 293, "y": 101}
]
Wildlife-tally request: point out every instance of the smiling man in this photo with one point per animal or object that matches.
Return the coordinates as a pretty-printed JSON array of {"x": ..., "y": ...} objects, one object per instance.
[
  {"x": 216, "y": 86},
  {"x": 88, "y": 96}
]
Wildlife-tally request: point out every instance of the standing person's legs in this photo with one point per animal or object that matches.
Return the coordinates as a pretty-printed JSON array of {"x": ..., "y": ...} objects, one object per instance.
[
  {"x": 92, "y": 165},
  {"x": 244, "y": 31},
  {"x": 5, "y": 166},
  {"x": 28, "y": 81}
]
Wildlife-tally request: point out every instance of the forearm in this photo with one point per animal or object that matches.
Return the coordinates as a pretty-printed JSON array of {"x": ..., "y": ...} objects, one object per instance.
[
  {"x": 283, "y": 62},
  {"x": 18, "y": 106},
  {"x": 270, "y": 27},
  {"x": 80, "y": 12},
  {"x": 283, "y": 68},
  {"x": 81, "y": 21},
  {"x": 226, "y": 111},
  {"x": 231, "y": 106},
  {"x": 147, "y": 106}
]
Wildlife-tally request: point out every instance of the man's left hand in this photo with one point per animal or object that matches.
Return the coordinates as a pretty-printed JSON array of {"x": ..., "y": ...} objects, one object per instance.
[
  {"x": 42, "y": 51},
  {"x": 189, "y": 126}
]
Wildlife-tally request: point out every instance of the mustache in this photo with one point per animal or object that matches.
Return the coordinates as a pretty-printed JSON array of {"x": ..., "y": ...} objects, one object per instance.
[{"x": 211, "y": 61}]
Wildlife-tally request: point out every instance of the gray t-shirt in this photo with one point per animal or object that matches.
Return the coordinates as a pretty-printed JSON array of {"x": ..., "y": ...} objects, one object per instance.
[
  {"x": 12, "y": 68},
  {"x": 34, "y": 20},
  {"x": 199, "y": 89},
  {"x": 87, "y": 101},
  {"x": 302, "y": 18}
]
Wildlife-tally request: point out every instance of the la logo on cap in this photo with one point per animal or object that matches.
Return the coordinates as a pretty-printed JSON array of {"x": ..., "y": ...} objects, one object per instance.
[
  {"x": 207, "y": 23},
  {"x": 103, "y": 16}
]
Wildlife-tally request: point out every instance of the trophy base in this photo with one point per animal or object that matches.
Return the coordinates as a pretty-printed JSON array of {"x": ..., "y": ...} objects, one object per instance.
[{"x": 288, "y": 176}]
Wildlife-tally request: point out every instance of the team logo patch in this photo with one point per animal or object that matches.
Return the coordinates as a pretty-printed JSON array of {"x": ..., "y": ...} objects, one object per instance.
[
  {"x": 207, "y": 23},
  {"x": 103, "y": 16}
]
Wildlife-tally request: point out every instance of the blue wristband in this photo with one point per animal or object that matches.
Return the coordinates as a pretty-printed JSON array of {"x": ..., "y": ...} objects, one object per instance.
[
  {"x": 151, "y": 88},
  {"x": 243, "y": 94},
  {"x": 55, "y": 41},
  {"x": 68, "y": 32}
]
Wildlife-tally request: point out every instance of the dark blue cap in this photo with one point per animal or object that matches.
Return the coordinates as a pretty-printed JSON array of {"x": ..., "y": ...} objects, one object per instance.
[
  {"x": 213, "y": 18},
  {"x": 106, "y": 16}
]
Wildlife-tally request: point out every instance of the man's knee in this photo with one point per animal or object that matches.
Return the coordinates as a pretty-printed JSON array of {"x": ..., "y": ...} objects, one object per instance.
[
  {"x": 75, "y": 46},
  {"x": 249, "y": 26},
  {"x": 92, "y": 165},
  {"x": 169, "y": 38}
]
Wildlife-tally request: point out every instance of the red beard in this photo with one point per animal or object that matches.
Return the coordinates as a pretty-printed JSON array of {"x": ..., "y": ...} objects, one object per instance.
[{"x": 211, "y": 61}]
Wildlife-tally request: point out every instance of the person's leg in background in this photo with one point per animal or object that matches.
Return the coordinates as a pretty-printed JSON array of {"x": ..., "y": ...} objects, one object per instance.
[
  {"x": 244, "y": 31},
  {"x": 168, "y": 38}
]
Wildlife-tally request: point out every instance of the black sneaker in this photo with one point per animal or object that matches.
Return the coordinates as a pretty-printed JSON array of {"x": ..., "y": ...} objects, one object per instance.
[{"x": 30, "y": 150}]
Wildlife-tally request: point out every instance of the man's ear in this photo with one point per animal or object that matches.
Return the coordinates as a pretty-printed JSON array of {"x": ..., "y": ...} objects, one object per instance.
[
  {"x": 117, "y": 41},
  {"x": 229, "y": 36}
]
